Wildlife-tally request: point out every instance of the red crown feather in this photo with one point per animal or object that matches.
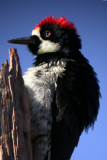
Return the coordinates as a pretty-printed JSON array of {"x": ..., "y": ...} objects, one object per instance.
[{"x": 62, "y": 21}]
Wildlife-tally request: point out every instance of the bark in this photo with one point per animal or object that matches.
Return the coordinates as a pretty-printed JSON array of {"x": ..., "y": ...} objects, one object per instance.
[{"x": 15, "y": 136}]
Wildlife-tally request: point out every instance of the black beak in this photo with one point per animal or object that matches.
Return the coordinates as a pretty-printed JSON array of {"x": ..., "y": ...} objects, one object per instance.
[
  {"x": 23, "y": 40},
  {"x": 33, "y": 43}
]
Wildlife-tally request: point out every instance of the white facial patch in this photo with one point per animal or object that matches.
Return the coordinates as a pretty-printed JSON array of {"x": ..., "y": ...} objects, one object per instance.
[{"x": 46, "y": 45}]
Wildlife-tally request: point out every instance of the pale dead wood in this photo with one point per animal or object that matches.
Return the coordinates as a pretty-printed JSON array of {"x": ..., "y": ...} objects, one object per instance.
[{"x": 15, "y": 138}]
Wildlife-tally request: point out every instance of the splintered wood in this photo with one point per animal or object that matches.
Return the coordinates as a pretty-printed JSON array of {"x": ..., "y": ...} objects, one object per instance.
[{"x": 15, "y": 137}]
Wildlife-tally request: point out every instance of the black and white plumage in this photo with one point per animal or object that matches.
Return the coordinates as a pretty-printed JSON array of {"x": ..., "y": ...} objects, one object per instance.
[{"x": 63, "y": 89}]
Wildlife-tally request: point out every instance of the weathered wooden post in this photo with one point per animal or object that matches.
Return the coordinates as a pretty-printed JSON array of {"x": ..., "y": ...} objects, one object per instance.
[{"x": 15, "y": 138}]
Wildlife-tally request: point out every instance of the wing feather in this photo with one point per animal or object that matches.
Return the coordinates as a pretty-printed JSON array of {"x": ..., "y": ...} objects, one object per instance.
[{"x": 77, "y": 104}]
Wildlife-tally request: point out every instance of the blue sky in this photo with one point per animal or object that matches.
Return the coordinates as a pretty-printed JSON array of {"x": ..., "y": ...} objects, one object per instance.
[{"x": 19, "y": 17}]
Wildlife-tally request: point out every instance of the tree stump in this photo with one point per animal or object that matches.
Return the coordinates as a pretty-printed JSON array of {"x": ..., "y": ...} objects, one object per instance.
[{"x": 15, "y": 136}]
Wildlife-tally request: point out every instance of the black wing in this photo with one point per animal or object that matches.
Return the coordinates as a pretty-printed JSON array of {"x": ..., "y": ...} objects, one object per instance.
[{"x": 77, "y": 104}]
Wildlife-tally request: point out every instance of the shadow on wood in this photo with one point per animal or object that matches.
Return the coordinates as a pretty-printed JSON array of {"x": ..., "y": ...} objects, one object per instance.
[{"x": 15, "y": 137}]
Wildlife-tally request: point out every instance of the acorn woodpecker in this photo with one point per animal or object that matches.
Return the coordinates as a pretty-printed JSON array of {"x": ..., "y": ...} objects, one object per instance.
[{"x": 63, "y": 89}]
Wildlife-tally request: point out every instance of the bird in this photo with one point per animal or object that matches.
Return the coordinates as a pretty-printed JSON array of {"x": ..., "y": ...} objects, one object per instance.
[{"x": 63, "y": 88}]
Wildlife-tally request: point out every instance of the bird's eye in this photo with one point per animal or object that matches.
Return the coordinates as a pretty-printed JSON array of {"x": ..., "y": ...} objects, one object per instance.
[{"x": 47, "y": 33}]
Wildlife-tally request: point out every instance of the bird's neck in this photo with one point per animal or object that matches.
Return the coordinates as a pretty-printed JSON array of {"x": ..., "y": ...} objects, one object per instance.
[
  {"x": 57, "y": 56},
  {"x": 49, "y": 57}
]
